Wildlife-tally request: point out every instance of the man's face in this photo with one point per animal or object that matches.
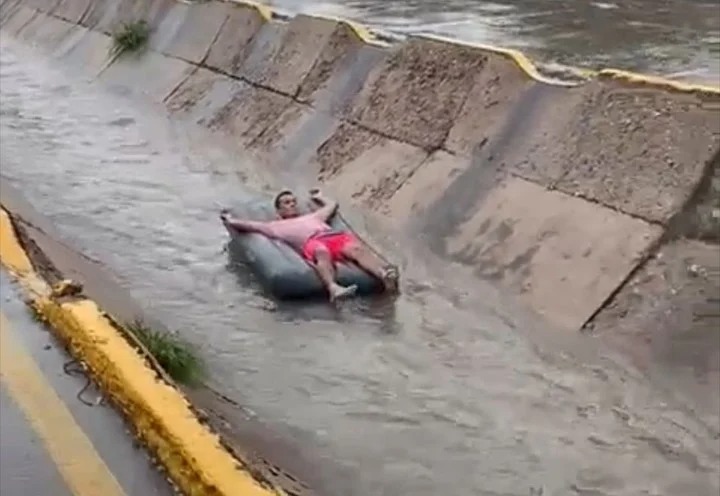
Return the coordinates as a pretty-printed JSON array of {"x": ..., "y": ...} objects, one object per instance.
[{"x": 287, "y": 206}]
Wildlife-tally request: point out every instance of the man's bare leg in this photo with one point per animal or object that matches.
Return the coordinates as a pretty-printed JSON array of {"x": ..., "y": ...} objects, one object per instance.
[
  {"x": 326, "y": 271},
  {"x": 366, "y": 259}
]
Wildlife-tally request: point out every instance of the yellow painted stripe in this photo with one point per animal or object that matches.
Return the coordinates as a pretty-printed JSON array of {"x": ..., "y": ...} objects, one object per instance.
[{"x": 74, "y": 455}]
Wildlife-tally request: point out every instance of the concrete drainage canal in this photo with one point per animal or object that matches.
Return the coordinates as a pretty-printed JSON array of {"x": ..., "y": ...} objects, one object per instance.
[{"x": 432, "y": 394}]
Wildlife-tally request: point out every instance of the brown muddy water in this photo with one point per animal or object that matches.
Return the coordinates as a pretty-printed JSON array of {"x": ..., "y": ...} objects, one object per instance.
[
  {"x": 675, "y": 38},
  {"x": 440, "y": 392}
]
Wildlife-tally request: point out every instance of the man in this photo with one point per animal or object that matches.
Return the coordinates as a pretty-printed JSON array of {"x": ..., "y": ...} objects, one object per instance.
[{"x": 320, "y": 245}]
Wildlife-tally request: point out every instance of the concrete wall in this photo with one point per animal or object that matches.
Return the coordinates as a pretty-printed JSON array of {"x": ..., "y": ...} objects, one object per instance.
[{"x": 555, "y": 189}]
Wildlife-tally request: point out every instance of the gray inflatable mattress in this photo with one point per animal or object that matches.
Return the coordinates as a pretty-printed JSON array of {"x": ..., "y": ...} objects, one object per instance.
[{"x": 283, "y": 271}]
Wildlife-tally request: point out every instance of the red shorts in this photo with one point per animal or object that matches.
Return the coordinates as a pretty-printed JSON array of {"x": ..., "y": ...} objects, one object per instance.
[{"x": 334, "y": 243}]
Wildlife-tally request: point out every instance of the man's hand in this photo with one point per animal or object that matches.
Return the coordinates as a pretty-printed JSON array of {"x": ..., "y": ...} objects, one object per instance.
[
  {"x": 241, "y": 225},
  {"x": 327, "y": 207},
  {"x": 316, "y": 196}
]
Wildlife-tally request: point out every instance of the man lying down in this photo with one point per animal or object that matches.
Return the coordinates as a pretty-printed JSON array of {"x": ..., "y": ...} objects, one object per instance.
[{"x": 321, "y": 245}]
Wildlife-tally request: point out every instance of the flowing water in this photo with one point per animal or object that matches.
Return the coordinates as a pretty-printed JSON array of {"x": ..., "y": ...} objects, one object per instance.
[
  {"x": 675, "y": 38},
  {"x": 438, "y": 392}
]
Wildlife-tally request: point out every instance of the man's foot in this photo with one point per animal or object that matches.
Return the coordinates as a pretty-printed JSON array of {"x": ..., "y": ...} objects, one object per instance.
[
  {"x": 390, "y": 276},
  {"x": 339, "y": 292}
]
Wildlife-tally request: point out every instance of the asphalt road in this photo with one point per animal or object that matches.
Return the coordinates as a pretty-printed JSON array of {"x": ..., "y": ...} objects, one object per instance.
[{"x": 53, "y": 444}]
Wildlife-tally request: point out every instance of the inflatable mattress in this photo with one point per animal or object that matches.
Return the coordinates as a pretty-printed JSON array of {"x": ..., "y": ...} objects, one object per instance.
[{"x": 282, "y": 271}]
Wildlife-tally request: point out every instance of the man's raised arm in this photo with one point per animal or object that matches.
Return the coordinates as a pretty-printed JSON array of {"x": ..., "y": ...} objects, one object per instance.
[
  {"x": 327, "y": 207},
  {"x": 246, "y": 226}
]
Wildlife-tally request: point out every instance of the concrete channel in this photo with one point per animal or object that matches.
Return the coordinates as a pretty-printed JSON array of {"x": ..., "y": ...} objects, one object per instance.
[{"x": 519, "y": 205}]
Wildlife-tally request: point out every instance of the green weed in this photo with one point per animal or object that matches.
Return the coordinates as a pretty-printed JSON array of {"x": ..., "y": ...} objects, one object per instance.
[
  {"x": 172, "y": 353},
  {"x": 130, "y": 38}
]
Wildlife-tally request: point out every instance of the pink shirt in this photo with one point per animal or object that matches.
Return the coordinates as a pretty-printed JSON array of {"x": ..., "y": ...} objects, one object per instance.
[{"x": 298, "y": 230}]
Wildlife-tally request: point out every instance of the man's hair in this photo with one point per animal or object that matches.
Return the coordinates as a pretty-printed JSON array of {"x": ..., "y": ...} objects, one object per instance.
[{"x": 279, "y": 196}]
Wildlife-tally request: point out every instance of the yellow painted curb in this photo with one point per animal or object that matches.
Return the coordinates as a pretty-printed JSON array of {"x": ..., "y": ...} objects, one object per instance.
[
  {"x": 360, "y": 31},
  {"x": 12, "y": 254},
  {"x": 363, "y": 33},
  {"x": 527, "y": 66},
  {"x": 161, "y": 415},
  {"x": 14, "y": 258},
  {"x": 659, "y": 82},
  {"x": 520, "y": 59},
  {"x": 264, "y": 11}
]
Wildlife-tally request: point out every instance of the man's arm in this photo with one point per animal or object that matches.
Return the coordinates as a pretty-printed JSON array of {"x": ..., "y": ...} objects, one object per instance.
[
  {"x": 246, "y": 226},
  {"x": 327, "y": 207}
]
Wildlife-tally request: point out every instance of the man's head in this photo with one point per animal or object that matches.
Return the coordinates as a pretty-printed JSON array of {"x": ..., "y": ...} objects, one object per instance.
[{"x": 286, "y": 204}]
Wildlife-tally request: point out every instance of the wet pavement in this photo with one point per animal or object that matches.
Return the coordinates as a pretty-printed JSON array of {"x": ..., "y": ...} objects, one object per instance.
[
  {"x": 27, "y": 468},
  {"x": 57, "y": 439},
  {"x": 675, "y": 38},
  {"x": 448, "y": 390}
]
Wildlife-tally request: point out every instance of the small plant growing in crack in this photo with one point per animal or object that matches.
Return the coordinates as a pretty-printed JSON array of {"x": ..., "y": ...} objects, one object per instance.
[
  {"x": 174, "y": 355},
  {"x": 132, "y": 37}
]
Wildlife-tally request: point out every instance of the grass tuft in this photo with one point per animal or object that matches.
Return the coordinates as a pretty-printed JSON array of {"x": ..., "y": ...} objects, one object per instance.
[
  {"x": 36, "y": 315},
  {"x": 173, "y": 354},
  {"x": 132, "y": 37}
]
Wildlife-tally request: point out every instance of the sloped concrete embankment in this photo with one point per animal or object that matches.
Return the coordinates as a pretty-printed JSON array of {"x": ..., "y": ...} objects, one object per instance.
[{"x": 557, "y": 190}]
